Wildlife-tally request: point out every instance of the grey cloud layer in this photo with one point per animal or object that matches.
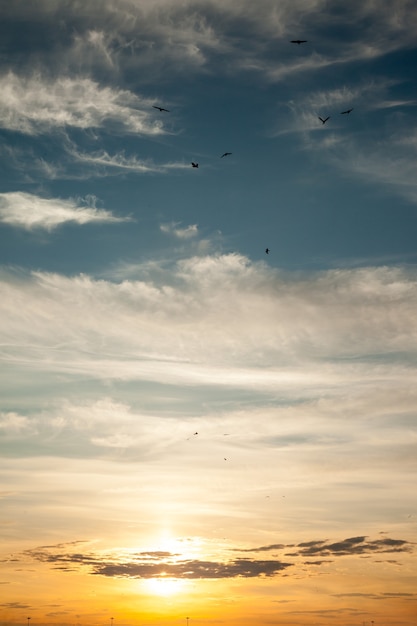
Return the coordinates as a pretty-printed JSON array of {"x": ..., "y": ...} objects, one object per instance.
[{"x": 190, "y": 35}]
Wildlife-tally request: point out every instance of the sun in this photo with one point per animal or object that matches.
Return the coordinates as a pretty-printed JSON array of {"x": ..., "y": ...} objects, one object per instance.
[
  {"x": 177, "y": 550},
  {"x": 165, "y": 587}
]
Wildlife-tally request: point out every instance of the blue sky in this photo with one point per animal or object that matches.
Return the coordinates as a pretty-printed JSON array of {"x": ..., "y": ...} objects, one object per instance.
[{"x": 138, "y": 307}]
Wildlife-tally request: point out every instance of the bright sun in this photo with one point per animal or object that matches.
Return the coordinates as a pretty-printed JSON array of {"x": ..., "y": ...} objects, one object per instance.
[
  {"x": 164, "y": 586},
  {"x": 178, "y": 550}
]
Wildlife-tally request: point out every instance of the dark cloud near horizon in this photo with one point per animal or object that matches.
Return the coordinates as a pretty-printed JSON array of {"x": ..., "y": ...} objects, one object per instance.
[
  {"x": 155, "y": 564},
  {"x": 352, "y": 545},
  {"x": 15, "y": 605},
  {"x": 377, "y": 596},
  {"x": 192, "y": 569},
  {"x": 167, "y": 565},
  {"x": 273, "y": 546}
]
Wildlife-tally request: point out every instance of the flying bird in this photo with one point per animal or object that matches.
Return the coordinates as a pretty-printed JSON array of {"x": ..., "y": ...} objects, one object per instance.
[
  {"x": 266, "y": 250},
  {"x": 225, "y": 154},
  {"x": 194, "y": 164},
  {"x": 323, "y": 121},
  {"x": 346, "y": 112},
  {"x": 298, "y": 41},
  {"x": 160, "y": 108}
]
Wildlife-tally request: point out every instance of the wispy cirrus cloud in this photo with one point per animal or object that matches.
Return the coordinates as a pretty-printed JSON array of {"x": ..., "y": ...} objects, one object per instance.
[
  {"x": 233, "y": 306},
  {"x": 35, "y": 104},
  {"x": 387, "y": 158},
  {"x": 103, "y": 163},
  {"x": 31, "y": 212}
]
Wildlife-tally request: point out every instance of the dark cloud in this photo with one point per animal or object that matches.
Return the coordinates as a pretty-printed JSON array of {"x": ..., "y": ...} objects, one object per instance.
[
  {"x": 156, "y": 564},
  {"x": 317, "y": 562},
  {"x": 15, "y": 605},
  {"x": 352, "y": 546},
  {"x": 239, "y": 568},
  {"x": 377, "y": 596},
  {"x": 273, "y": 546},
  {"x": 160, "y": 564}
]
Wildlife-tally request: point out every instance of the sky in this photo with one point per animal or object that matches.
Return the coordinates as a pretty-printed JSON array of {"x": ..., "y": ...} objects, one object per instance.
[{"x": 195, "y": 432}]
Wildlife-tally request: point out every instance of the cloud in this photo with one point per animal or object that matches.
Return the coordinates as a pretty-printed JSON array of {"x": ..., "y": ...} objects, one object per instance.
[
  {"x": 385, "y": 158},
  {"x": 24, "y": 210},
  {"x": 153, "y": 38},
  {"x": 160, "y": 565},
  {"x": 34, "y": 105},
  {"x": 378, "y": 596},
  {"x": 353, "y": 546},
  {"x": 13, "y": 424},
  {"x": 101, "y": 163},
  {"x": 239, "y": 568},
  {"x": 157, "y": 564},
  {"x": 173, "y": 228},
  {"x": 215, "y": 320},
  {"x": 347, "y": 547},
  {"x": 274, "y": 546}
]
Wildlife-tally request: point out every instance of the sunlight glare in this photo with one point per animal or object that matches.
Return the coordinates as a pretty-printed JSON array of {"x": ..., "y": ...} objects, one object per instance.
[{"x": 164, "y": 586}]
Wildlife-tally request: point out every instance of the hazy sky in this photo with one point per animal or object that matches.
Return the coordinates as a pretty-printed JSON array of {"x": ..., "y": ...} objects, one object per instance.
[{"x": 195, "y": 432}]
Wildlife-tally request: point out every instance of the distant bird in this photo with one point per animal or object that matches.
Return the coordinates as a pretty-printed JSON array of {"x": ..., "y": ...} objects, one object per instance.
[
  {"x": 323, "y": 121},
  {"x": 160, "y": 108},
  {"x": 226, "y": 154},
  {"x": 195, "y": 433},
  {"x": 194, "y": 164},
  {"x": 266, "y": 250},
  {"x": 346, "y": 112},
  {"x": 298, "y": 41}
]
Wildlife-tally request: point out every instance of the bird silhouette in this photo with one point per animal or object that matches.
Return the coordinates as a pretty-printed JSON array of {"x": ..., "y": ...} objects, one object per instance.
[
  {"x": 194, "y": 164},
  {"x": 225, "y": 154},
  {"x": 323, "y": 121},
  {"x": 266, "y": 250},
  {"x": 298, "y": 41},
  {"x": 346, "y": 112},
  {"x": 160, "y": 108}
]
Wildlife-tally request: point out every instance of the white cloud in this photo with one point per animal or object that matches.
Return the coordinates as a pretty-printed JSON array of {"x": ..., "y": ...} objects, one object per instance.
[
  {"x": 173, "y": 228},
  {"x": 13, "y": 424},
  {"x": 216, "y": 320},
  {"x": 24, "y": 210},
  {"x": 102, "y": 162},
  {"x": 37, "y": 105}
]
